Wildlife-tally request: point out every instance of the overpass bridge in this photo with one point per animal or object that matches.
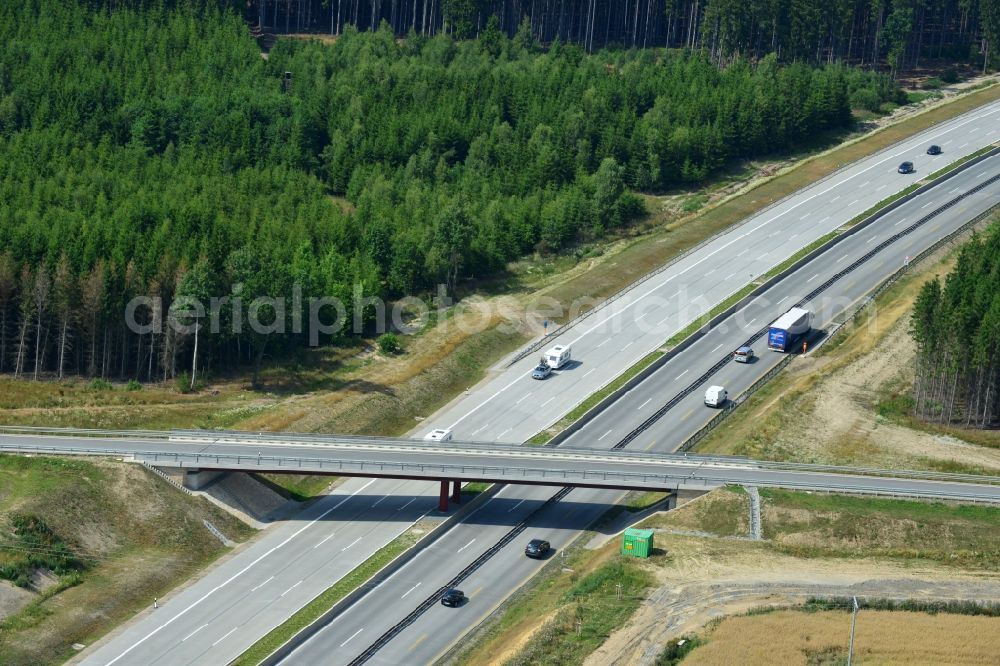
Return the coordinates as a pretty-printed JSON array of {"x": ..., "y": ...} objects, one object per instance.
[{"x": 453, "y": 463}]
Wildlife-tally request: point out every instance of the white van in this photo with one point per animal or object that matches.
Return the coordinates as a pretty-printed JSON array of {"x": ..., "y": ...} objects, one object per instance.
[
  {"x": 557, "y": 357},
  {"x": 439, "y": 435},
  {"x": 716, "y": 396}
]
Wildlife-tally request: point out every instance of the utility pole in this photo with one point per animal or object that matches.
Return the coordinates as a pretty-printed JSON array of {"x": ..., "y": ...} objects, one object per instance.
[{"x": 854, "y": 619}]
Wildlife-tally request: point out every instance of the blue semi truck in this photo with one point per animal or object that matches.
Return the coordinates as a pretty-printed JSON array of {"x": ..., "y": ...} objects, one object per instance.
[{"x": 788, "y": 329}]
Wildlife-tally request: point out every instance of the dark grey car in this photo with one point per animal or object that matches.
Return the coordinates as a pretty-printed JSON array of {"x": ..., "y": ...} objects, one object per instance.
[{"x": 453, "y": 598}]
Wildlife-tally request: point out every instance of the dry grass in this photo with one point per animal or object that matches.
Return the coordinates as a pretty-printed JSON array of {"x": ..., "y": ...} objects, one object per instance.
[
  {"x": 882, "y": 637},
  {"x": 725, "y": 512},
  {"x": 825, "y": 408},
  {"x": 139, "y": 536}
]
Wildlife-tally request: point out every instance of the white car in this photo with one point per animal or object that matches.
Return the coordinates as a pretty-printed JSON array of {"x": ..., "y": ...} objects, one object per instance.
[{"x": 439, "y": 435}]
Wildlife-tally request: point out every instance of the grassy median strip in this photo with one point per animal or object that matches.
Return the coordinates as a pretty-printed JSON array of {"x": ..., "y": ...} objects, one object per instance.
[
  {"x": 957, "y": 163},
  {"x": 325, "y": 601}
]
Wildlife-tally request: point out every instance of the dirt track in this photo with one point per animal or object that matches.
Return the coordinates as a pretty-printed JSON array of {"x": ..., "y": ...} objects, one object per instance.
[{"x": 701, "y": 586}]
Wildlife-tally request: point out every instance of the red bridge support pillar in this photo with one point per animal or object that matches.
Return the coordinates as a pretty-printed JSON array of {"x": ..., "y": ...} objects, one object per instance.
[
  {"x": 456, "y": 492},
  {"x": 443, "y": 497}
]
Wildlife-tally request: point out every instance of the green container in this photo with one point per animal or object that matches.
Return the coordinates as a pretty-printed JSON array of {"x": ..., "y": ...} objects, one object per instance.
[{"x": 637, "y": 543}]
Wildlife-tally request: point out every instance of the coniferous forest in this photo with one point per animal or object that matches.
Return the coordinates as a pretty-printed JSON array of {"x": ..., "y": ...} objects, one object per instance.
[
  {"x": 956, "y": 326},
  {"x": 147, "y": 148},
  {"x": 897, "y": 33}
]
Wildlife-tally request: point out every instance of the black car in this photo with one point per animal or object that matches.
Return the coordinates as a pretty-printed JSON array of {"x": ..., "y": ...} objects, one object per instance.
[
  {"x": 934, "y": 150},
  {"x": 905, "y": 167},
  {"x": 537, "y": 548},
  {"x": 453, "y": 598}
]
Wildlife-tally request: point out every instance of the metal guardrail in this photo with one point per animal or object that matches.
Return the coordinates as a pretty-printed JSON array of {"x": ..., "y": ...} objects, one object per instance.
[
  {"x": 882, "y": 287},
  {"x": 358, "y": 443},
  {"x": 703, "y": 476},
  {"x": 822, "y": 287},
  {"x": 541, "y": 342}
]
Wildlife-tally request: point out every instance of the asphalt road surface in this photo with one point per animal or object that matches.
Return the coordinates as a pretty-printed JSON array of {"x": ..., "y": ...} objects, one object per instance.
[
  {"x": 349, "y": 635},
  {"x": 589, "y": 467},
  {"x": 194, "y": 626}
]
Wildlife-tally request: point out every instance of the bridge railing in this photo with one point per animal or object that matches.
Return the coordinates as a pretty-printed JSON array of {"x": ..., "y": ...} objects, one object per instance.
[
  {"x": 706, "y": 477},
  {"x": 460, "y": 448}
]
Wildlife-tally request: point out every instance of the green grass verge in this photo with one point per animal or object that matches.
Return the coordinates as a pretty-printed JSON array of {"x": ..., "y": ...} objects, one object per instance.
[
  {"x": 475, "y": 488},
  {"x": 315, "y": 608},
  {"x": 957, "y": 163},
  {"x": 641, "y": 501},
  {"x": 703, "y": 320},
  {"x": 820, "y": 525},
  {"x": 590, "y": 610}
]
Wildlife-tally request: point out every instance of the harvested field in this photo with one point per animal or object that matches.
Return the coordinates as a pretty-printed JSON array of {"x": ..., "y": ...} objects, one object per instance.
[{"x": 882, "y": 637}]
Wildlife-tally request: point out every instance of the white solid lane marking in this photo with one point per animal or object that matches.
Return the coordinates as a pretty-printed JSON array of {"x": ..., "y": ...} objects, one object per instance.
[
  {"x": 291, "y": 588},
  {"x": 681, "y": 375},
  {"x": 271, "y": 578},
  {"x": 225, "y": 636},
  {"x": 407, "y": 504},
  {"x": 238, "y": 574},
  {"x": 644, "y": 404},
  {"x": 812, "y": 278},
  {"x": 841, "y": 259},
  {"x": 352, "y": 636},
  {"x": 465, "y": 546},
  {"x": 717, "y": 347},
  {"x": 325, "y": 539},
  {"x": 710, "y": 254},
  {"x": 350, "y": 544},
  {"x": 604, "y": 435},
  {"x": 511, "y": 509},
  {"x": 193, "y": 632},
  {"x": 410, "y": 590}
]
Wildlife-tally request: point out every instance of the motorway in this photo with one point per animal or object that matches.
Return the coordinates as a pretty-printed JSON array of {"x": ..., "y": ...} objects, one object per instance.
[
  {"x": 388, "y": 617},
  {"x": 194, "y": 626}
]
